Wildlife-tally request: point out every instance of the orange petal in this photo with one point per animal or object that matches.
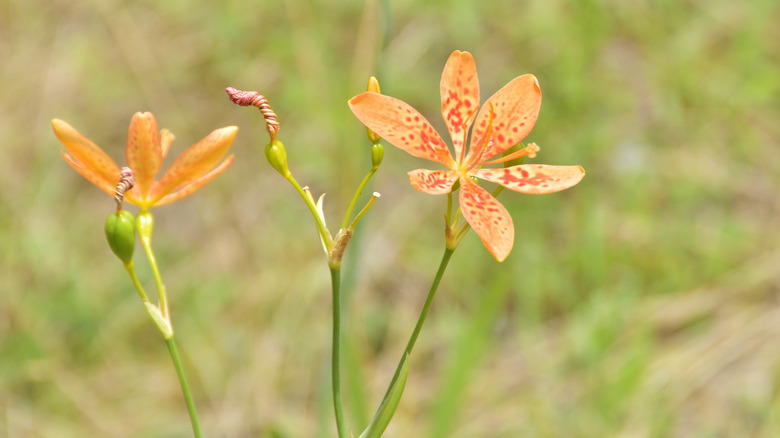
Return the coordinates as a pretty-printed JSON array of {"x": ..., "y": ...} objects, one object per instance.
[
  {"x": 143, "y": 152},
  {"x": 534, "y": 179},
  {"x": 488, "y": 217},
  {"x": 401, "y": 125},
  {"x": 195, "y": 162},
  {"x": 515, "y": 108},
  {"x": 435, "y": 182},
  {"x": 196, "y": 184},
  {"x": 166, "y": 138},
  {"x": 459, "y": 96},
  {"x": 92, "y": 176},
  {"x": 86, "y": 157}
]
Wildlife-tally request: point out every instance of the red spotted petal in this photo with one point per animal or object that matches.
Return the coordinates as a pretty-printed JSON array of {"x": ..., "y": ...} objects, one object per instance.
[
  {"x": 515, "y": 108},
  {"x": 534, "y": 179},
  {"x": 488, "y": 218},
  {"x": 143, "y": 152},
  {"x": 401, "y": 125},
  {"x": 435, "y": 182},
  {"x": 459, "y": 96}
]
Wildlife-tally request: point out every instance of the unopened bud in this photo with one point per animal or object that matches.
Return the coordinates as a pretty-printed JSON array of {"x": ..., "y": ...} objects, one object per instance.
[
  {"x": 120, "y": 232},
  {"x": 373, "y": 85},
  {"x": 377, "y": 152},
  {"x": 277, "y": 157}
]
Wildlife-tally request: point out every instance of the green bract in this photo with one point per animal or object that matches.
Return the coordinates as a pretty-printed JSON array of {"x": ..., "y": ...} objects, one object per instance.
[{"x": 120, "y": 232}]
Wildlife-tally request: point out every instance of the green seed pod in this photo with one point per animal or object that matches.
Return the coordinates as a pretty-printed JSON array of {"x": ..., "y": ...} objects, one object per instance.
[
  {"x": 277, "y": 157},
  {"x": 377, "y": 153},
  {"x": 120, "y": 232}
]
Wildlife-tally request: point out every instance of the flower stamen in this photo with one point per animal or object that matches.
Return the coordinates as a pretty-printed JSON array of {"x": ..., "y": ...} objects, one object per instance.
[
  {"x": 528, "y": 151},
  {"x": 465, "y": 128},
  {"x": 482, "y": 145}
]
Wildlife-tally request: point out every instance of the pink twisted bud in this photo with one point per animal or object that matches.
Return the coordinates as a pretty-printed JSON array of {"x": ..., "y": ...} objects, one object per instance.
[
  {"x": 253, "y": 98},
  {"x": 126, "y": 182}
]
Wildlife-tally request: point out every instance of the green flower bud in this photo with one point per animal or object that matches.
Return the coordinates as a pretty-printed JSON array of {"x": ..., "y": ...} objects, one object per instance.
[
  {"x": 377, "y": 152},
  {"x": 120, "y": 232},
  {"x": 373, "y": 85},
  {"x": 277, "y": 157}
]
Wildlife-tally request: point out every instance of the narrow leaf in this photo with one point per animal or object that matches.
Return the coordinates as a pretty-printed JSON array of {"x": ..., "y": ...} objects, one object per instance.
[{"x": 386, "y": 410}]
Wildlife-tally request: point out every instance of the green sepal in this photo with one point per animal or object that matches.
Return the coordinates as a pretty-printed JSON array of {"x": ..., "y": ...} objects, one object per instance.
[
  {"x": 386, "y": 410},
  {"x": 120, "y": 232},
  {"x": 277, "y": 157},
  {"x": 377, "y": 153}
]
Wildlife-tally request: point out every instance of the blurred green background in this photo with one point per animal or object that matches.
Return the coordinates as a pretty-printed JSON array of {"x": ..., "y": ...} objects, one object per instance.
[{"x": 641, "y": 303}]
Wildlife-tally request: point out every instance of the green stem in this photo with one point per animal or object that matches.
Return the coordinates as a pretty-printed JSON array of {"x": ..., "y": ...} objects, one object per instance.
[
  {"x": 355, "y": 198},
  {"x": 146, "y": 243},
  {"x": 136, "y": 283},
  {"x": 335, "y": 275},
  {"x": 321, "y": 228},
  {"x": 421, "y": 319},
  {"x": 185, "y": 387}
]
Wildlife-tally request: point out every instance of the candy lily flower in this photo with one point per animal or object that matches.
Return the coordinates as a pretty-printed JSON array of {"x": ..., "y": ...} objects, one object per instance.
[
  {"x": 505, "y": 120},
  {"x": 146, "y": 148}
]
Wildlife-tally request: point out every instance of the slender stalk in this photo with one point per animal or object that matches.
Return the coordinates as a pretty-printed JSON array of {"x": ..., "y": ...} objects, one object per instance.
[
  {"x": 185, "y": 387},
  {"x": 321, "y": 228},
  {"x": 421, "y": 319},
  {"x": 335, "y": 276},
  {"x": 363, "y": 211},
  {"x": 146, "y": 243},
  {"x": 136, "y": 283},
  {"x": 355, "y": 198}
]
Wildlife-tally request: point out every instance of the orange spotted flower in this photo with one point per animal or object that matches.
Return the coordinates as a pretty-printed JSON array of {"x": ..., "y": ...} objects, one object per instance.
[
  {"x": 146, "y": 148},
  {"x": 506, "y": 119}
]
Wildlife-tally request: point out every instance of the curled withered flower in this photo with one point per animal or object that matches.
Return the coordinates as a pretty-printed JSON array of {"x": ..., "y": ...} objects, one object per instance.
[
  {"x": 255, "y": 99},
  {"x": 126, "y": 182},
  {"x": 146, "y": 148}
]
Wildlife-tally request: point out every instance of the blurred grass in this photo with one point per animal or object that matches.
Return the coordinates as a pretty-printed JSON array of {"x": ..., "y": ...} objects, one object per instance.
[{"x": 642, "y": 303}]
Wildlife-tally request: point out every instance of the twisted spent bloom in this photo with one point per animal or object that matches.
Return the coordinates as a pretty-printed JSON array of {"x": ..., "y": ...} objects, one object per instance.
[
  {"x": 501, "y": 123},
  {"x": 126, "y": 182},
  {"x": 257, "y": 100},
  {"x": 145, "y": 150}
]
